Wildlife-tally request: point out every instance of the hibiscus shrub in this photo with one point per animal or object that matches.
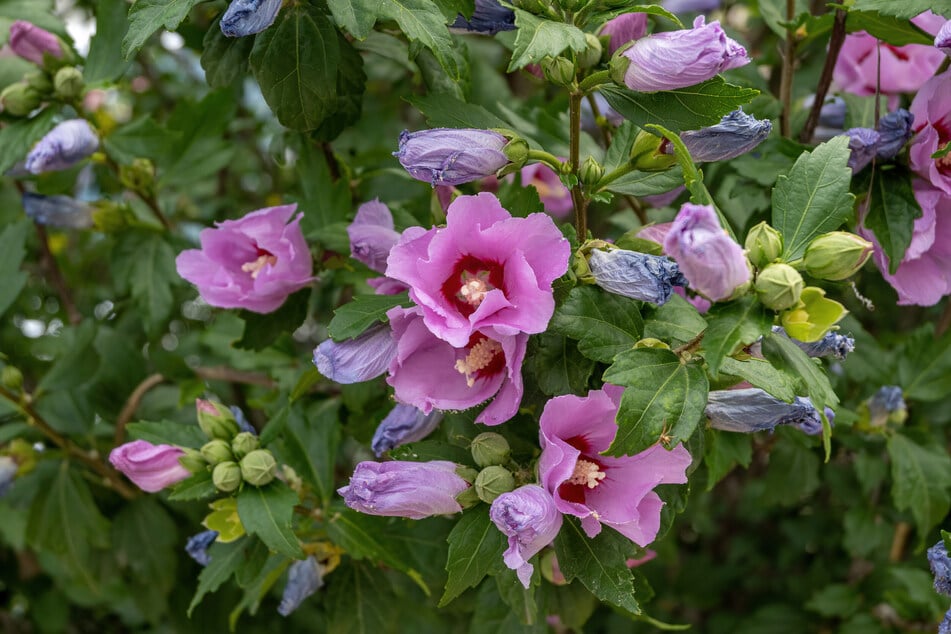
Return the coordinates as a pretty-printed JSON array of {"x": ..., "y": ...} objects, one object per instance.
[{"x": 469, "y": 316}]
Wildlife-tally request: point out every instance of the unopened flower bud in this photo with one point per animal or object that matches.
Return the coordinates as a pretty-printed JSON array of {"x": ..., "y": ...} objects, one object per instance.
[
  {"x": 736, "y": 134},
  {"x": 647, "y": 155},
  {"x": 894, "y": 130},
  {"x": 837, "y": 255},
  {"x": 648, "y": 278},
  {"x": 493, "y": 482},
  {"x": 68, "y": 83},
  {"x": 216, "y": 451},
  {"x": 192, "y": 460},
  {"x": 39, "y": 80},
  {"x": 516, "y": 151},
  {"x": 106, "y": 216},
  {"x": 33, "y": 44},
  {"x": 226, "y": 476},
  {"x": 139, "y": 176},
  {"x": 489, "y": 448},
  {"x": 258, "y": 467},
  {"x": 778, "y": 286},
  {"x": 590, "y": 172},
  {"x": 216, "y": 420},
  {"x": 451, "y": 156},
  {"x": 243, "y": 444},
  {"x": 617, "y": 68},
  {"x": 11, "y": 377},
  {"x": 763, "y": 245},
  {"x": 558, "y": 70},
  {"x": 20, "y": 99},
  {"x": 592, "y": 54}
]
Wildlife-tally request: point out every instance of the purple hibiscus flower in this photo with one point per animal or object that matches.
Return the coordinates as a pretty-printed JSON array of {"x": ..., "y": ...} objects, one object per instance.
[
  {"x": 528, "y": 517},
  {"x": 931, "y": 109},
  {"x": 150, "y": 467},
  {"x": 404, "y": 489}
]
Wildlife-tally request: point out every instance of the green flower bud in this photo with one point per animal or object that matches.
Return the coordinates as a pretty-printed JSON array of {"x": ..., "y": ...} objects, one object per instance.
[
  {"x": 244, "y": 443},
  {"x": 493, "y": 482},
  {"x": 763, "y": 245},
  {"x": 590, "y": 172},
  {"x": 617, "y": 67},
  {"x": 812, "y": 316},
  {"x": 111, "y": 217},
  {"x": 139, "y": 176},
  {"x": 20, "y": 99},
  {"x": 258, "y": 467},
  {"x": 39, "y": 81},
  {"x": 11, "y": 377},
  {"x": 558, "y": 70},
  {"x": 646, "y": 155},
  {"x": 216, "y": 420},
  {"x": 226, "y": 476},
  {"x": 489, "y": 448},
  {"x": 216, "y": 451},
  {"x": 778, "y": 286},
  {"x": 592, "y": 54},
  {"x": 68, "y": 83},
  {"x": 468, "y": 498},
  {"x": 516, "y": 151},
  {"x": 193, "y": 460},
  {"x": 837, "y": 255}
]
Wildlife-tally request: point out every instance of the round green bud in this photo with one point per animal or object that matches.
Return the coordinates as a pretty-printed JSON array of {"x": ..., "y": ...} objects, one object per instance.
[
  {"x": 591, "y": 55},
  {"x": 763, "y": 245},
  {"x": 778, "y": 286},
  {"x": 590, "y": 172},
  {"x": 39, "y": 81},
  {"x": 11, "y": 377},
  {"x": 837, "y": 255},
  {"x": 216, "y": 451},
  {"x": 20, "y": 99},
  {"x": 216, "y": 420},
  {"x": 244, "y": 443},
  {"x": 226, "y": 476},
  {"x": 193, "y": 460},
  {"x": 646, "y": 154},
  {"x": 111, "y": 217},
  {"x": 139, "y": 176},
  {"x": 558, "y": 70},
  {"x": 489, "y": 448},
  {"x": 516, "y": 150},
  {"x": 493, "y": 482},
  {"x": 68, "y": 83},
  {"x": 258, "y": 467}
]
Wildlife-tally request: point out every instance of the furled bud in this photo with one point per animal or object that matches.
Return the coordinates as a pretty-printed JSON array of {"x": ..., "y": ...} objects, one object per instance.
[
  {"x": 62, "y": 147},
  {"x": 492, "y": 482},
  {"x": 516, "y": 150},
  {"x": 837, "y": 255},
  {"x": 590, "y": 172},
  {"x": 863, "y": 143},
  {"x": 942, "y": 40},
  {"x": 33, "y": 44},
  {"x": 216, "y": 420},
  {"x": 258, "y": 467},
  {"x": 489, "y": 449},
  {"x": 451, "y": 156},
  {"x": 558, "y": 70},
  {"x": 39, "y": 80},
  {"x": 488, "y": 18},
  {"x": 647, "y": 154},
  {"x": 226, "y": 476},
  {"x": 11, "y": 377},
  {"x": 243, "y": 444},
  {"x": 894, "y": 130},
  {"x": 356, "y": 360},
  {"x": 736, "y": 134},
  {"x": 648, "y": 278},
  {"x": 20, "y": 99},
  {"x": 763, "y": 245},
  {"x": 68, "y": 83},
  {"x": 216, "y": 451},
  {"x": 886, "y": 406},
  {"x": 778, "y": 286},
  {"x": 192, "y": 460},
  {"x": 591, "y": 55},
  {"x": 247, "y": 17}
]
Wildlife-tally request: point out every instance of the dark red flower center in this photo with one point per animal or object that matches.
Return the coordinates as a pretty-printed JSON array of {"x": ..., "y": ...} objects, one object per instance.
[
  {"x": 470, "y": 281},
  {"x": 264, "y": 258},
  {"x": 587, "y": 475},
  {"x": 484, "y": 358}
]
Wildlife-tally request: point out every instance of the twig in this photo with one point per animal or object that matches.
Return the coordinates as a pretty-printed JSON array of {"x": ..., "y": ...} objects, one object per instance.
[
  {"x": 132, "y": 404},
  {"x": 902, "y": 531},
  {"x": 825, "y": 79},
  {"x": 577, "y": 196},
  {"x": 637, "y": 208},
  {"x": 785, "y": 86}
]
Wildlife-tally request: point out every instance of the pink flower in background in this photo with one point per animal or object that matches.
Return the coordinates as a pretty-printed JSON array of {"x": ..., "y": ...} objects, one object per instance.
[
  {"x": 602, "y": 490},
  {"x": 931, "y": 109},
  {"x": 485, "y": 271},
  {"x": 624, "y": 28},
  {"x": 30, "y": 42},
  {"x": 150, "y": 467},
  {"x": 254, "y": 262},
  {"x": 554, "y": 195},
  {"x": 429, "y": 373}
]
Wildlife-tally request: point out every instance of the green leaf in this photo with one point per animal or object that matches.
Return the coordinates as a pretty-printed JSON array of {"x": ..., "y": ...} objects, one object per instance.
[
  {"x": 647, "y": 183},
  {"x": 78, "y": 363},
  {"x": 197, "y": 487},
  {"x": 663, "y": 402},
  {"x": 295, "y": 62},
  {"x": 144, "y": 539},
  {"x": 12, "y": 251},
  {"x": 730, "y": 325},
  {"x": 603, "y": 324},
  {"x": 262, "y": 330},
  {"x": 537, "y": 38},
  {"x": 924, "y": 367},
  {"x": 921, "y": 481},
  {"x": 682, "y": 109},
  {"x": 475, "y": 549},
  {"x": 788, "y": 357},
  {"x": 897, "y": 32},
  {"x": 309, "y": 445},
  {"x": 18, "y": 137},
  {"x": 142, "y": 138},
  {"x": 788, "y": 458},
  {"x": 905, "y": 9},
  {"x": 267, "y": 512},
  {"x": 427, "y": 450},
  {"x": 558, "y": 365},
  {"x": 722, "y": 451},
  {"x": 225, "y": 59},
  {"x": 835, "y": 600},
  {"x": 421, "y": 21},
  {"x": 143, "y": 263},
  {"x": 168, "y": 432},
  {"x": 675, "y": 322},
  {"x": 356, "y": 16},
  {"x": 445, "y": 111},
  {"x": 225, "y": 561},
  {"x": 763, "y": 375},
  {"x": 351, "y": 83},
  {"x": 104, "y": 63},
  {"x": 814, "y": 197},
  {"x": 148, "y": 16},
  {"x": 599, "y": 563},
  {"x": 892, "y": 210},
  {"x": 620, "y": 151},
  {"x": 351, "y": 320},
  {"x": 361, "y": 601}
]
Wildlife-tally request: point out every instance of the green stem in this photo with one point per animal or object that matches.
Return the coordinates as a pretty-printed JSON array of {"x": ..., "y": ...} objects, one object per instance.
[
  {"x": 577, "y": 195},
  {"x": 786, "y": 80},
  {"x": 547, "y": 158},
  {"x": 607, "y": 179},
  {"x": 594, "y": 81}
]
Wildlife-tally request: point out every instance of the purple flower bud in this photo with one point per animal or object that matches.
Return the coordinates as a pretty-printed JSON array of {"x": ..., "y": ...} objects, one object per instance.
[
  {"x": 753, "y": 410},
  {"x": 57, "y": 211},
  {"x": 450, "y": 156},
  {"x": 304, "y": 578},
  {"x": 832, "y": 344},
  {"x": 150, "y": 467},
  {"x": 894, "y": 130},
  {"x": 247, "y": 17},
  {"x": 624, "y": 28},
  {"x": 8, "y": 471},
  {"x": 489, "y": 18},
  {"x": 677, "y": 59},
  {"x": 940, "y": 568},
  {"x": 242, "y": 420},
  {"x": 372, "y": 235},
  {"x": 943, "y": 39},
  {"x": 736, "y": 134},
  {"x": 62, "y": 147},
  {"x": 945, "y": 626},
  {"x": 712, "y": 262},
  {"x": 648, "y": 278},
  {"x": 864, "y": 145},
  {"x": 404, "y": 423},
  {"x": 198, "y": 544},
  {"x": 356, "y": 360},
  {"x": 404, "y": 489},
  {"x": 690, "y": 6},
  {"x": 30, "y": 42},
  {"x": 529, "y": 518}
]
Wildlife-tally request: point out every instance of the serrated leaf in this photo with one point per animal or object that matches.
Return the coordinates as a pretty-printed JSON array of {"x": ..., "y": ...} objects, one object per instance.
[
  {"x": 104, "y": 61},
  {"x": 426, "y": 450},
  {"x": 12, "y": 251},
  {"x": 924, "y": 367},
  {"x": 141, "y": 522},
  {"x": 142, "y": 138},
  {"x": 225, "y": 561},
  {"x": 730, "y": 325},
  {"x": 814, "y": 197},
  {"x": 309, "y": 445},
  {"x": 144, "y": 265},
  {"x": 677, "y": 321},
  {"x": 267, "y": 512},
  {"x": 785, "y": 459},
  {"x": 723, "y": 451},
  {"x": 788, "y": 357},
  {"x": 167, "y": 432},
  {"x": 600, "y": 563},
  {"x": 445, "y": 111},
  {"x": 558, "y": 366},
  {"x": 148, "y": 16},
  {"x": 224, "y": 59},
  {"x": 894, "y": 31},
  {"x": 356, "y": 16},
  {"x": 198, "y": 487},
  {"x": 18, "y": 137},
  {"x": 892, "y": 210},
  {"x": 664, "y": 399},
  {"x": 647, "y": 183},
  {"x": 603, "y": 324},
  {"x": 683, "y": 109},
  {"x": 475, "y": 549},
  {"x": 421, "y": 21},
  {"x": 904, "y": 9},
  {"x": 921, "y": 481},
  {"x": 761, "y": 374},
  {"x": 537, "y": 38},
  {"x": 351, "y": 320},
  {"x": 361, "y": 601}
]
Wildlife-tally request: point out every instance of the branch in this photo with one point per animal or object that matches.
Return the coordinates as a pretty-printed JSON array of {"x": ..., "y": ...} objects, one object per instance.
[
  {"x": 785, "y": 86},
  {"x": 132, "y": 404},
  {"x": 825, "y": 79}
]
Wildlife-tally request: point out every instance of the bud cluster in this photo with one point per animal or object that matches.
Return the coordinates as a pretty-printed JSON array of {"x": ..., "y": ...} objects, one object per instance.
[{"x": 232, "y": 455}]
